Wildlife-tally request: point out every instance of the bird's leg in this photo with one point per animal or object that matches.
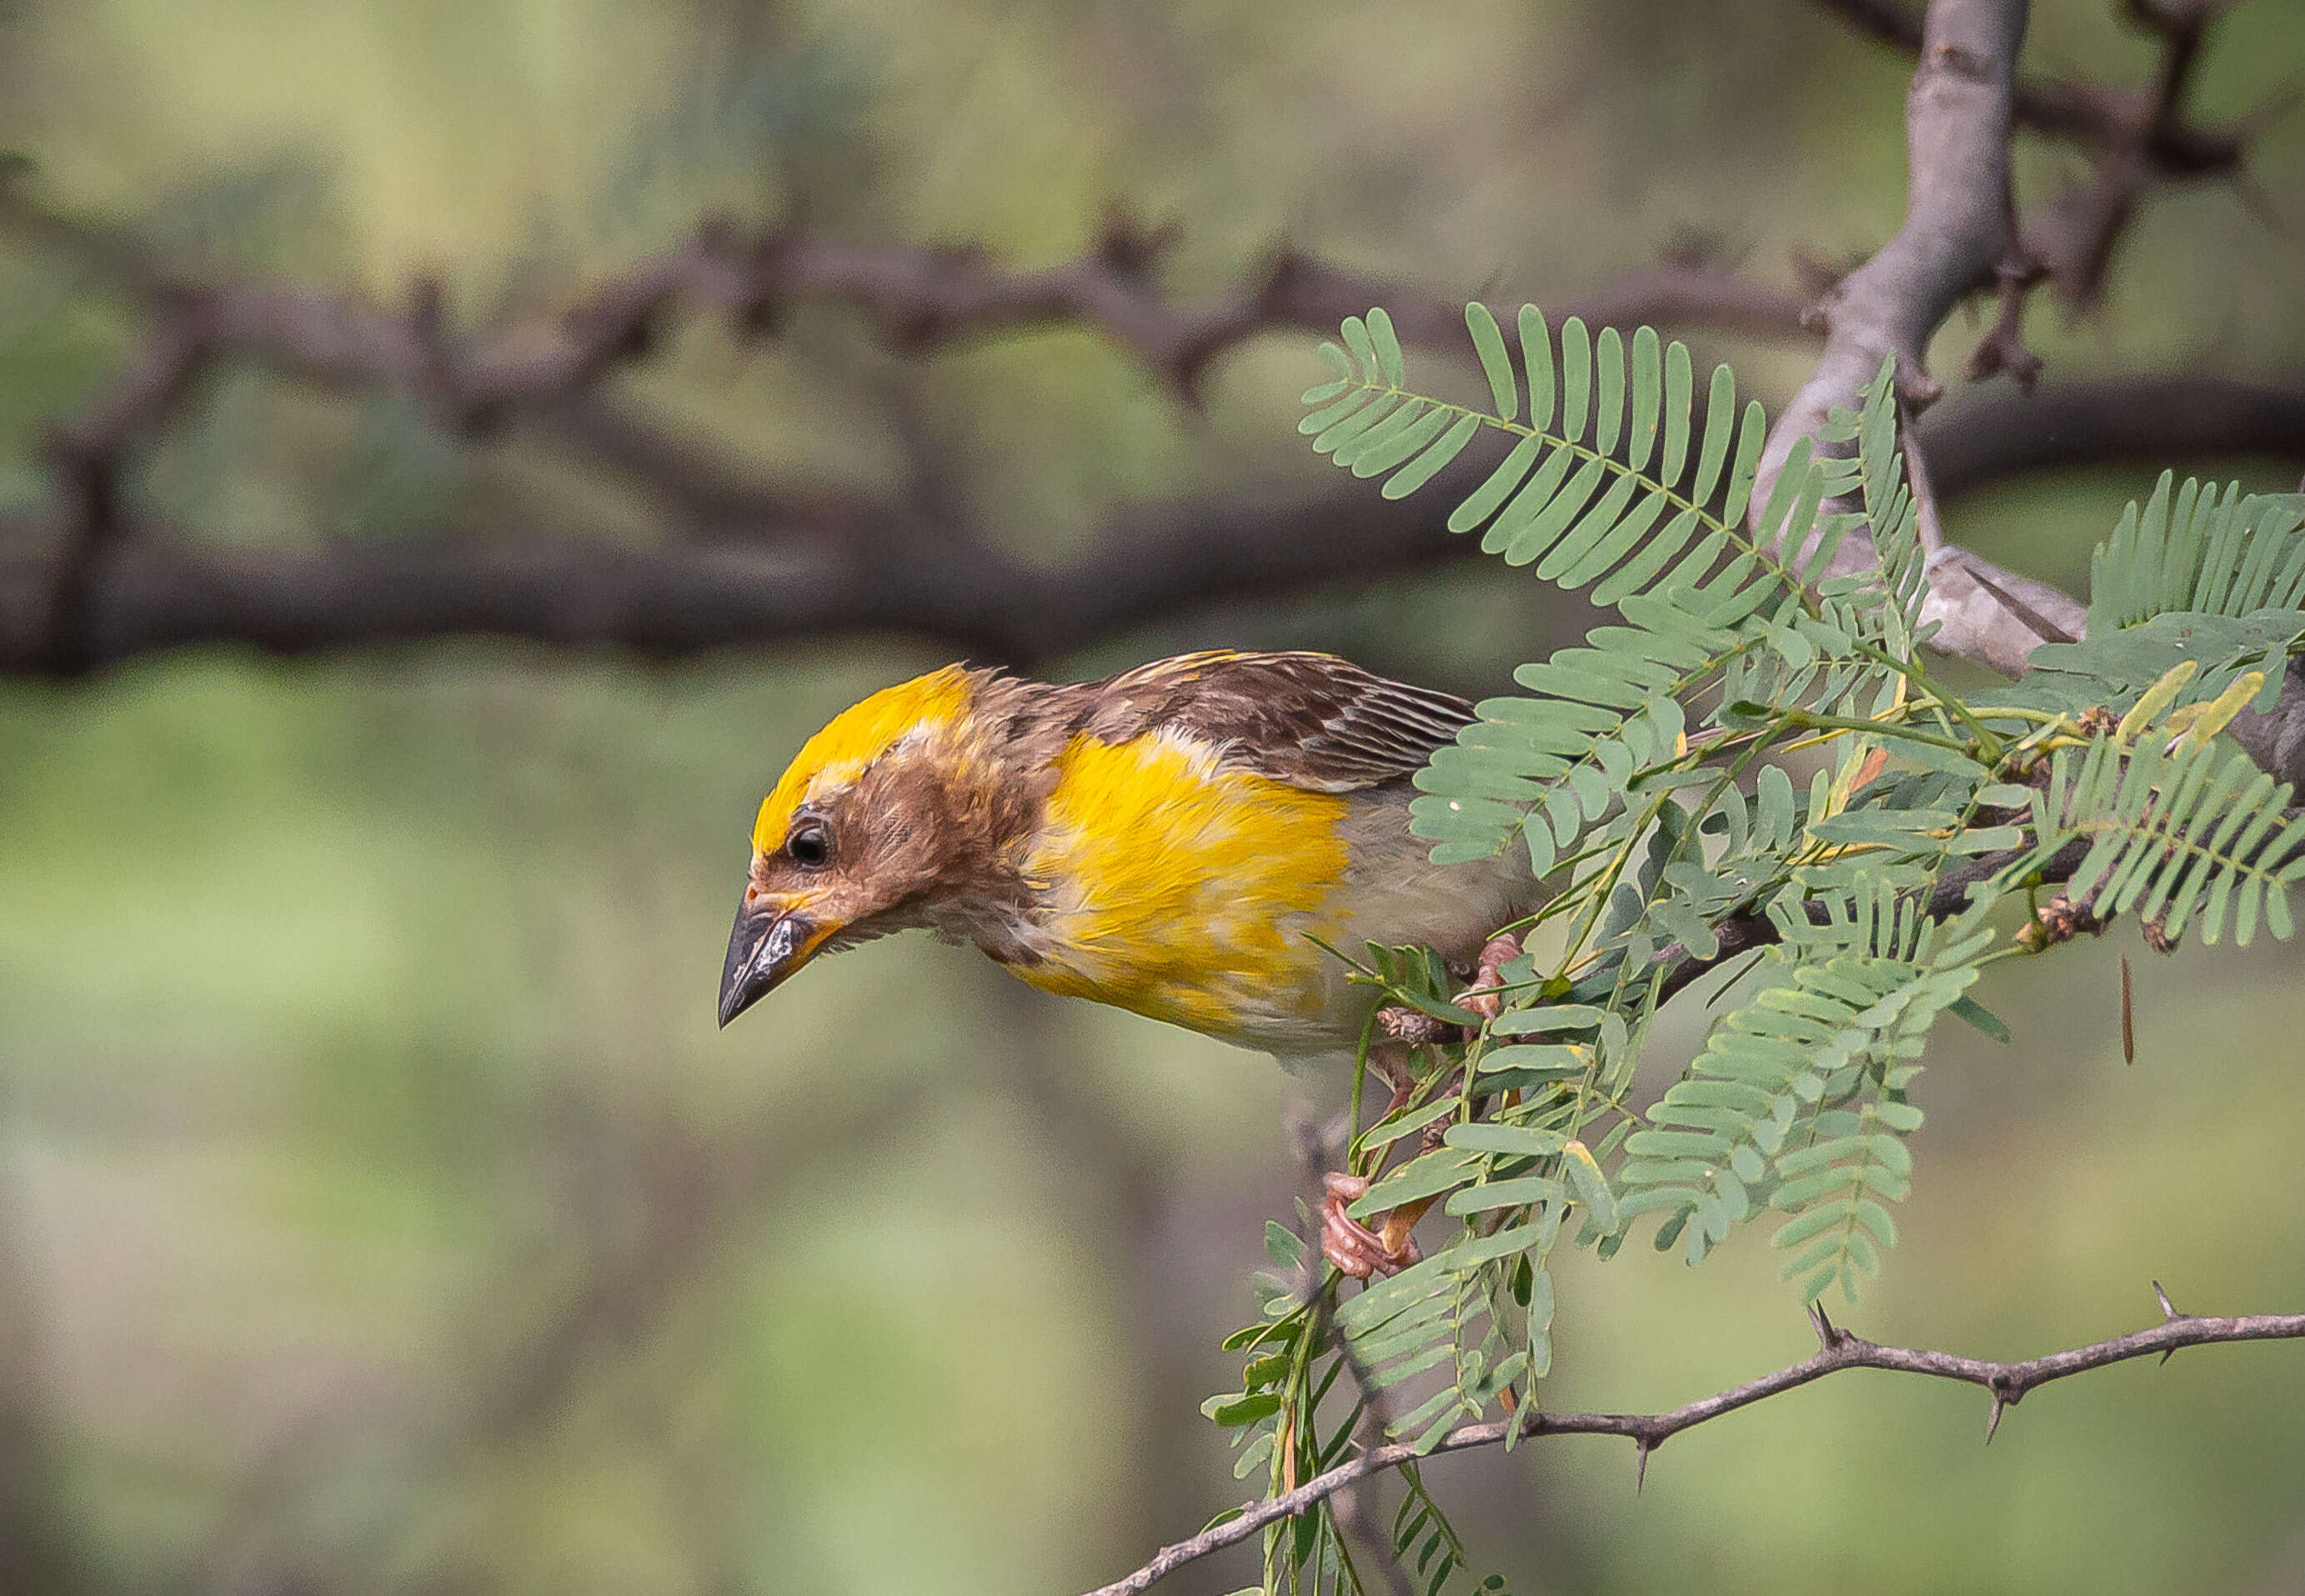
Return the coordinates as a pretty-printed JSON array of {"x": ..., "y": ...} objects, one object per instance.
[
  {"x": 1352, "y": 1246},
  {"x": 1392, "y": 1232},
  {"x": 1395, "y": 1064}
]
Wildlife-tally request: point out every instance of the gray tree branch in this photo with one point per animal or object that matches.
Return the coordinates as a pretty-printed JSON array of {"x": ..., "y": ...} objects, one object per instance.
[
  {"x": 1962, "y": 233},
  {"x": 2006, "y": 1383},
  {"x": 2092, "y": 116},
  {"x": 1959, "y": 235},
  {"x": 1957, "y": 120}
]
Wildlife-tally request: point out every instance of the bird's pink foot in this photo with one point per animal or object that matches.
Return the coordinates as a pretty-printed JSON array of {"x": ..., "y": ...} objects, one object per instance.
[
  {"x": 1484, "y": 996},
  {"x": 1352, "y": 1246}
]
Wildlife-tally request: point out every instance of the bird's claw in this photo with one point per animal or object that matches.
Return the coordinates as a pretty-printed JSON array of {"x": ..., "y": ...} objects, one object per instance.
[
  {"x": 1483, "y": 997},
  {"x": 1352, "y": 1246}
]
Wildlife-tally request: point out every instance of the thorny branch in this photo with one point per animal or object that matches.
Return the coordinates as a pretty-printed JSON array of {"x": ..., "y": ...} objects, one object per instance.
[
  {"x": 775, "y": 569},
  {"x": 2005, "y": 1383},
  {"x": 111, "y": 586},
  {"x": 919, "y": 297},
  {"x": 547, "y": 371},
  {"x": 1955, "y": 234},
  {"x": 2092, "y": 116},
  {"x": 1964, "y": 233}
]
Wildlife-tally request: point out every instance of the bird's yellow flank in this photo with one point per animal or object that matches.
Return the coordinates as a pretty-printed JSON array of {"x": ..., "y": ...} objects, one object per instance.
[{"x": 1182, "y": 890}]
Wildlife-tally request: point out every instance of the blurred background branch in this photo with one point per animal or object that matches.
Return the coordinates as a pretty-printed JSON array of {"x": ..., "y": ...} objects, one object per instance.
[
  {"x": 114, "y": 585},
  {"x": 771, "y": 573},
  {"x": 780, "y": 585}
]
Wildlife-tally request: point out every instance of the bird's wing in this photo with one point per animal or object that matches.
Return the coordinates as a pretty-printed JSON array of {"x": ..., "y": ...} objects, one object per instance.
[{"x": 1311, "y": 720}]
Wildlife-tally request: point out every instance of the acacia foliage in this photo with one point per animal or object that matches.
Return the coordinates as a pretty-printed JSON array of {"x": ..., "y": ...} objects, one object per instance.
[{"x": 1650, "y": 775}]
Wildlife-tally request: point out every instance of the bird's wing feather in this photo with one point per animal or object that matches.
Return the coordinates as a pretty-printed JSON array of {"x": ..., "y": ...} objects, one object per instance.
[{"x": 1312, "y": 720}]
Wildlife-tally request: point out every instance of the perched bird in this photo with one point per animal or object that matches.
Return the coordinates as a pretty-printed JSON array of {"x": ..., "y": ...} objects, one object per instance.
[{"x": 1169, "y": 840}]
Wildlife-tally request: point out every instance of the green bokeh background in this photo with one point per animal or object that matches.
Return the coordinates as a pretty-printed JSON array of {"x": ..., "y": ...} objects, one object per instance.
[{"x": 380, "y": 1209}]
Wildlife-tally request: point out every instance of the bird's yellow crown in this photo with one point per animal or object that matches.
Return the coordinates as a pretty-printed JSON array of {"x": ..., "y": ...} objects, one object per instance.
[{"x": 855, "y": 737}]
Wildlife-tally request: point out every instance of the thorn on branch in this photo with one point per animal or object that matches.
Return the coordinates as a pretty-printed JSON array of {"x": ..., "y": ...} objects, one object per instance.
[
  {"x": 610, "y": 331},
  {"x": 1828, "y": 1335},
  {"x": 2004, "y": 348},
  {"x": 88, "y": 460},
  {"x": 1818, "y": 275},
  {"x": 1701, "y": 247},
  {"x": 2007, "y": 1387},
  {"x": 86, "y": 471},
  {"x": 926, "y": 310},
  {"x": 759, "y": 309},
  {"x": 1282, "y": 274},
  {"x": 715, "y": 235},
  {"x": 1130, "y": 249},
  {"x": 2128, "y": 1017},
  {"x": 440, "y": 384},
  {"x": 2169, "y": 1315},
  {"x": 1642, "y": 1446},
  {"x": 427, "y": 308},
  {"x": 2041, "y": 627}
]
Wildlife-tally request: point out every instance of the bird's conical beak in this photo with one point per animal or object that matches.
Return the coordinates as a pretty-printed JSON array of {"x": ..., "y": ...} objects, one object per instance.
[{"x": 768, "y": 944}]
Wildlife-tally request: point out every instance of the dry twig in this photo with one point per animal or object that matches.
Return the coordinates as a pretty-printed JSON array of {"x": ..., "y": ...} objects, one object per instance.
[{"x": 2005, "y": 1383}]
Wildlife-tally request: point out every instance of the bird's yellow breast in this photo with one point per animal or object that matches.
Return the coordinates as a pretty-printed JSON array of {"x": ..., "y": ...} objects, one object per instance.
[{"x": 1181, "y": 890}]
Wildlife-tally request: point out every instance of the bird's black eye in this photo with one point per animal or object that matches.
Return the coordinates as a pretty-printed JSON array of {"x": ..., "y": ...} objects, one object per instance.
[{"x": 810, "y": 844}]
